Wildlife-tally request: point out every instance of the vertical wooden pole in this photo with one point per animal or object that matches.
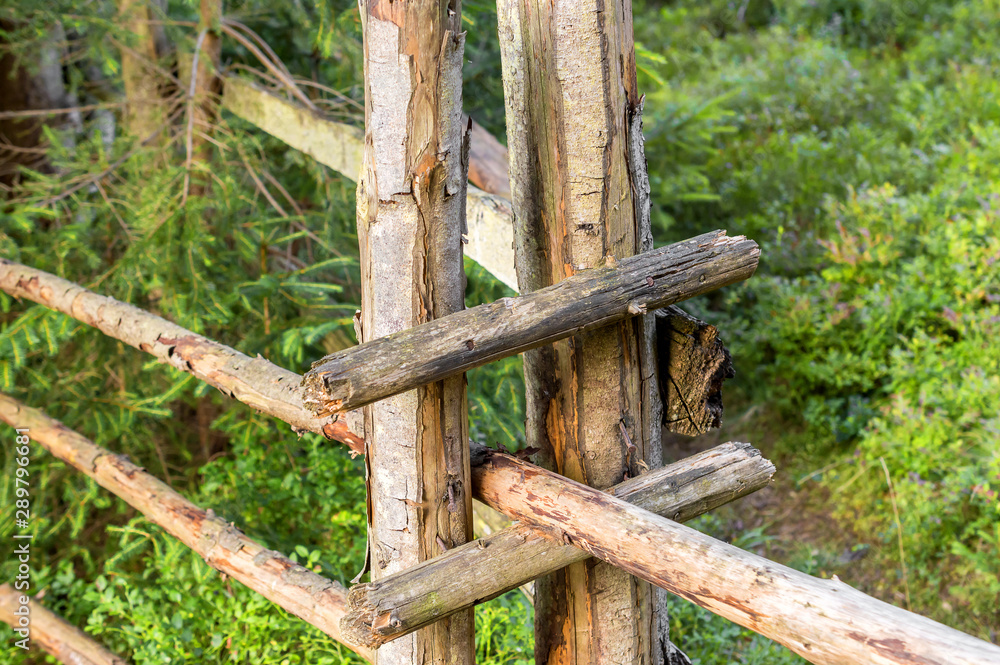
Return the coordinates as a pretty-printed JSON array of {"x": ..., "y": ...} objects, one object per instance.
[
  {"x": 411, "y": 216},
  {"x": 580, "y": 199}
]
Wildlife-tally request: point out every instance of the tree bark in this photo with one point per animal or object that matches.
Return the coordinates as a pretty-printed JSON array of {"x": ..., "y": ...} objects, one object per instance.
[
  {"x": 592, "y": 406},
  {"x": 825, "y": 621},
  {"x": 204, "y": 90},
  {"x": 315, "y": 599},
  {"x": 52, "y": 633},
  {"x": 253, "y": 381},
  {"x": 585, "y": 302},
  {"x": 411, "y": 217},
  {"x": 479, "y": 571}
]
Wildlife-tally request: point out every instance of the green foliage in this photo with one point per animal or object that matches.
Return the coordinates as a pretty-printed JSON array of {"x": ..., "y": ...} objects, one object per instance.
[
  {"x": 857, "y": 140},
  {"x": 861, "y": 149}
]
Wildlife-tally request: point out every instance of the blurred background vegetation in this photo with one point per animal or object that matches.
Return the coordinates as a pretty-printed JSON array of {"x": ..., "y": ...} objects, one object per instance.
[{"x": 858, "y": 141}]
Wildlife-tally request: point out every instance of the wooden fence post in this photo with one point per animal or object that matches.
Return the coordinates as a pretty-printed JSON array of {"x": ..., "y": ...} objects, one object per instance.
[
  {"x": 580, "y": 195},
  {"x": 411, "y": 216}
]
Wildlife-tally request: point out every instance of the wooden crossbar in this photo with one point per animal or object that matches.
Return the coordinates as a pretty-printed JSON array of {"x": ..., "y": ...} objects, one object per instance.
[
  {"x": 51, "y": 632},
  {"x": 315, "y": 599},
  {"x": 588, "y": 300},
  {"x": 476, "y": 572}
]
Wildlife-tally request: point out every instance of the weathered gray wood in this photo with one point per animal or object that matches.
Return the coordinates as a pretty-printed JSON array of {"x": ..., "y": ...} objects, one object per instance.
[
  {"x": 411, "y": 217},
  {"x": 589, "y": 300},
  {"x": 693, "y": 363},
  {"x": 318, "y": 601},
  {"x": 253, "y": 381},
  {"x": 53, "y": 634},
  {"x": 825, "y": 621},
  {"x": 478, "y": 571}
]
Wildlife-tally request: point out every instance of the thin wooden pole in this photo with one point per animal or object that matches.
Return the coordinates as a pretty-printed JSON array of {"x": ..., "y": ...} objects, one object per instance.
[
  {"x": 826, "y": 622},
  {"x": 318, "y": 601},
  {"x": 476, "y": 572},
  {"x": 254, "y": 381},
  {"x": 53, "y": 634}
]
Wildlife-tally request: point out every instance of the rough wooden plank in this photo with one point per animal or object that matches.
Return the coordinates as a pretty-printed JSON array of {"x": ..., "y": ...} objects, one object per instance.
[
  {"x": 589, "y": 300},
  {"x": 693, "y": 363},
  {"x": 490, "y": 234},
  {"x": 50, "y": 632},
  {"x": 478, "y": 571},
  {"x": 411, "y": 217},
  {"x": 253, "y": 381},
  {"x": 315, "y": 599},
  {"x": 825, "y": 621}
]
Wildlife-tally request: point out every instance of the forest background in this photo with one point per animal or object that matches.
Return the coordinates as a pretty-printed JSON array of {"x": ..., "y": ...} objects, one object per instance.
[{"x": 858, "y": 141}]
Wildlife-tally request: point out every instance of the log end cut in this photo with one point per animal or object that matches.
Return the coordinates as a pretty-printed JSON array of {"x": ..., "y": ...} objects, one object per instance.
[{"x": 693, "y": 363}]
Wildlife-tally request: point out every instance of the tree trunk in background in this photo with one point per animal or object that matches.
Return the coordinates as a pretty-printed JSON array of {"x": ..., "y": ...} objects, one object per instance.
[
  {"x": 411, "y": 216},
  {"x": 144, "y": 109},
  {"x": 207, "y": 87},
  {"x": 580, "y": 198},
  {"x": 33, "y": 81}
]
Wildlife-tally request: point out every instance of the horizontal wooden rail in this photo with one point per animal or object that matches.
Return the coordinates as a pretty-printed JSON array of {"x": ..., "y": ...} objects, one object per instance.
[
  {"x": 253, "y": 381},
  {"x": 48, "y": 630},
  {"x": 490, "y": 230},
  {"x": 825, "y": 621},
  {"x": 588, "y": 300},
  {"x": 318, "y": 601},
  {"x": 478, "y": 571}
]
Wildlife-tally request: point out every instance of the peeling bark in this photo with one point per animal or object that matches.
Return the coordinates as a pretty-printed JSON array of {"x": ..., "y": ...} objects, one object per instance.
[
  {"x": 826, "y": 622},
  {"x": 479, "y": 571},
  {"x": 584, "y": 303},
  {"x": 569, "y": 87},
  {"x": 314, "y": 599},
  {"x": 53, "y": 634},
  {"x": 253, "y": 381},
  {"x": 411, "y": 217}
]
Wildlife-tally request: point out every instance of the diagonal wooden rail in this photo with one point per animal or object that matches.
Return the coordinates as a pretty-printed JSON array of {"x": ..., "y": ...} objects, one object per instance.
[
  {"x": 588, "y": 300},
  {"x": 490, "y": 232},
  {"x": 256, "y": 382},
  {"x": 476, "y": 572},
  {"x": 66, "y": 642},
  {"x": 825, "y": 621},
  {"x": 311, "y": 597}
]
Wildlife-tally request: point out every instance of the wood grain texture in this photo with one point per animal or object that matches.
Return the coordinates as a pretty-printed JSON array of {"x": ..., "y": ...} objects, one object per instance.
[
  {"x": 579, "y": 196},
  {"x": 693, "y": 363},
  {"x": 411, "y": 217},
  {"x": 484, "y": 569},
  {"x": 587, "y": 301},
  {"x": 53, "y": 634},
  {"x": 826, "y": 622},
  {"x": 256, "y": 382},
  {"x": 315, "y": 599}
]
